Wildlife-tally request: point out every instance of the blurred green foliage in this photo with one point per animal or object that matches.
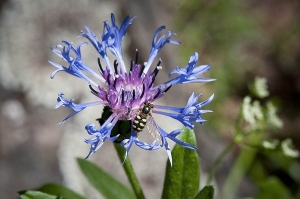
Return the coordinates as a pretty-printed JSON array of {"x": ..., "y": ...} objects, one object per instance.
[
  {"x": 221, "y": 31},
  {"x": 242, "y": 40}
]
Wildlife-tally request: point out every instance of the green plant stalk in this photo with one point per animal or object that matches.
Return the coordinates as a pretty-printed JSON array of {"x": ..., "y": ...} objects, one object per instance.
[
  {"x": 237, "y": 172},
  {"x": 227, "y": 149},
  {"x": 218, "y": 161},
  {"x": 130, "y": 172},
  {"x": 240, "y": 167}
]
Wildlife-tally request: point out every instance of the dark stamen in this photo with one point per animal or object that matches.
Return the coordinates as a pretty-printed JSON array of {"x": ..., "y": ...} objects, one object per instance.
[
  {"x": 123, "y": 93},
  {"x": 154, "y": 74},
  {"x": 133, "y": 94},
  {"x": 168, "y": 88},
  {"x": 157, "y": 94},
  {"x": 100, "y": 66},
  {"x": 93, "y": 90},
  {"x": 153, "y": 77},
  {"x": 156, "y": 70},
  {"x": 159, "y": 62},
  {"x": 108, "y": 79},
  {"x": 115, "y": 82},
  {"x": 142, "y": 69},
  {"x": 151, "y": 82},
  {"x": 143, "y": 92},
  {"x": 128, "y": 110},
  {"x": 131, "y": 64},
  {"x": 106, "y": 96},
  {"x": 116, "y": 66},
  {"x": 136, "y": 55}
]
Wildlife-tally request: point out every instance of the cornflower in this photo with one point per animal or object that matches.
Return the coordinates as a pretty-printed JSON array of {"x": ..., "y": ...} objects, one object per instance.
[{"x": 130, "y": 95}]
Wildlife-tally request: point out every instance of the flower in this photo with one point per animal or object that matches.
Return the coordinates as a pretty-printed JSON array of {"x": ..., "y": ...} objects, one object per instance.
[
  {"x": 260, "y": 88},
  {"x": 125, "y": 92}
]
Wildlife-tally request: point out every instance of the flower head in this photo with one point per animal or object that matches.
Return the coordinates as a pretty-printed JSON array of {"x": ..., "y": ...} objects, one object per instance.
[{"x": 128, "y": 93}]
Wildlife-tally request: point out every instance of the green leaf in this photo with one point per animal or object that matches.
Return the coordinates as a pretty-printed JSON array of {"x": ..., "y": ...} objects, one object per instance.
[
  {"x": 35, "y": 195},
  {"x": 206, "y": 193},
  {"x": 103, "y": 182},
  {"x": 59, "y": 190},
  {"x": 183, "y": 178},
  {"x": 273, "y": 188}
]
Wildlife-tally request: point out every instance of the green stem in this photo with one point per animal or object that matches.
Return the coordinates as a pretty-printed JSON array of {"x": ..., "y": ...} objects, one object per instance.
[
  {"x": 218, "y": 161},
  {"x": 242, "y": 164},
  {"x": 237, "y": 172},
  {"x": 235, "y": 140},
  {"x": 130, "y": 172}
]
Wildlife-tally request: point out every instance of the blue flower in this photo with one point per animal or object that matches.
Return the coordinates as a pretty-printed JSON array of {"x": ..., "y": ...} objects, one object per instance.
[
  {"x": 130, "y": 94},
  {"x": 157, "y": 45},
  {"x": 189, "y": 115},
  {"x": 190, "y": 73}
]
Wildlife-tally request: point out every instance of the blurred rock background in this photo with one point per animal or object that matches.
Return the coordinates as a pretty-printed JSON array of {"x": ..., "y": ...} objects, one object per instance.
[{"x": 239, "y": 39}]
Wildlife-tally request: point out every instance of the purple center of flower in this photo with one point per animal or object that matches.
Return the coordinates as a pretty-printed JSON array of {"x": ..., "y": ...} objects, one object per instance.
[{"x": 127, "y": 92}]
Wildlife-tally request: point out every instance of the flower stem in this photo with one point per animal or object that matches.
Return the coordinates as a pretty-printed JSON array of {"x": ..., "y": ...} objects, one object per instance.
[
  {"x": 130, "y": 172},
  {"x": 218, "y": 161}
]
